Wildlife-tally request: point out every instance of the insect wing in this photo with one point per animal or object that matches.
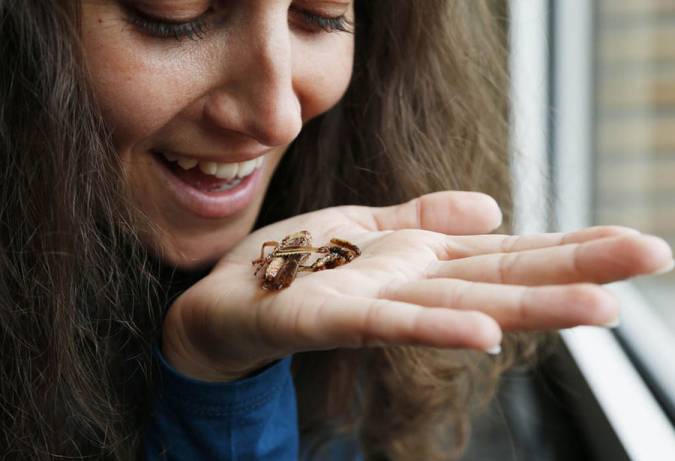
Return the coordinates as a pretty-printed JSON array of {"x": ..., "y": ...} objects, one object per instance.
[{"x": 282, "y": 271}]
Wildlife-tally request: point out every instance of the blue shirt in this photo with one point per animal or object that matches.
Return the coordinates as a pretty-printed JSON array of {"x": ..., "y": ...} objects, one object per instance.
[
  {"x": 251, "y": 419},
  {"x": 254, "y": 418}
]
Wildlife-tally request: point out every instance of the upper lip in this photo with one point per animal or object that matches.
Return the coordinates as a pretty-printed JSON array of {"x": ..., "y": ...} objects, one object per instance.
[{"x": 215, "y": 158}]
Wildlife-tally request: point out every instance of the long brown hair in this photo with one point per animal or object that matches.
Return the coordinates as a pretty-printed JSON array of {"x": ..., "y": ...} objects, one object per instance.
[
  {"x": 76, "y": 323},
  {"x": 426, "y": 111},
  {"x": 80, "y": 302}
]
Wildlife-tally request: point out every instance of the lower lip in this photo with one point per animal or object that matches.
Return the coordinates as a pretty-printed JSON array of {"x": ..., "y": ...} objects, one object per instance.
[{"x": 211, "y": 205}]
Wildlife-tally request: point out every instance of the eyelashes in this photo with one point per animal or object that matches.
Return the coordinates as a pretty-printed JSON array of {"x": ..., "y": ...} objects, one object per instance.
[
  {"x": 198, "y": 27},
  {"x": 194, "y": 29},
  {"x": 340, "y": 23}
]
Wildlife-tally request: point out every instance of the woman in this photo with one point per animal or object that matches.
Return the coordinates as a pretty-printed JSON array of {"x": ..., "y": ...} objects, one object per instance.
[{"x": 132, "y": 323}]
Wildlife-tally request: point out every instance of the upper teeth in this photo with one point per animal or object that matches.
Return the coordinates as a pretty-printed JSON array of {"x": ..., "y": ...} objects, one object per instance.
[{"x": 220, "y": 170}]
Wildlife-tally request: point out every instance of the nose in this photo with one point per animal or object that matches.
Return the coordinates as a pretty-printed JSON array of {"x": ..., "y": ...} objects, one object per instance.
[{"x": 257, "y": 97}]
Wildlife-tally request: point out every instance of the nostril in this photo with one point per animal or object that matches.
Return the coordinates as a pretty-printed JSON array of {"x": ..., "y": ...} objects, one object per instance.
[
  {"x": 273, "y": 117},
  {"x": 277, "y": 123}
]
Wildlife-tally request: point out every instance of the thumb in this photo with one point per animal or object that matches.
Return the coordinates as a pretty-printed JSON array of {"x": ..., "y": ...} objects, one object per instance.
[{"x": 447, "y": 212}]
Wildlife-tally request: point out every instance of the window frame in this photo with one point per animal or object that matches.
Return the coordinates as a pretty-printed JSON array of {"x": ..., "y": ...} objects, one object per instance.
[{"x": 552, "y": 81}]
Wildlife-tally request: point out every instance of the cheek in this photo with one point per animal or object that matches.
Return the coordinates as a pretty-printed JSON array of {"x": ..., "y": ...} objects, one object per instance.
[
  {"x": 140, "y": 92},
  {"x": 323, "y": 79},
  {"x": 137, "y": 92}
]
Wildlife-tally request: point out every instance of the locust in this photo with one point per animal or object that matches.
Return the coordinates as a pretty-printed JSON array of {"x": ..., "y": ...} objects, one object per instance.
[{"x": 280, "y": 266}]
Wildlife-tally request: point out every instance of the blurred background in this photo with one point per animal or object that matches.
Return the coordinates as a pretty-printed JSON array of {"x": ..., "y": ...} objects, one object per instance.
[
  {"x": 593, "y": 133},
  {"x": 635, "y": 127}
]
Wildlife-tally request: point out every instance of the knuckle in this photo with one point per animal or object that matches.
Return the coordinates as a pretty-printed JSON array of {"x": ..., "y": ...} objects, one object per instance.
[
  {"x": 505, "y": 265},
  {"x": 526, "y": 303},
  {"x": 370, "y": 321},
  {"x": 457, "y": 247},
  {"x": 614, "y": 231},
  {"x": 586, "y": 295},
  {"x": 509, "y": 244},
  {"x": 454, "y": 293}
]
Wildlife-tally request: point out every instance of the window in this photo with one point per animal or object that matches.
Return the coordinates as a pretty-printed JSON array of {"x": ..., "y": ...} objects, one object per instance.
[
  {"x": 635, "y": 128},
  {"x": 594, "y": 105}
]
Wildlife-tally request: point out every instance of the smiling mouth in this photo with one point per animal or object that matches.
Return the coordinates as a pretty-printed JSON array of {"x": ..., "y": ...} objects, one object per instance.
[{"x": 208, "y": 176}]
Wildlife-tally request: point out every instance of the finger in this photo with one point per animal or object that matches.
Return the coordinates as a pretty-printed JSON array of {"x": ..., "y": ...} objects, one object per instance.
[
  {"x": 447, "y": 212},
  {"x": 352, "y": 321},
  {"x": 598, "y": 261},
  {"x": 516, "y": 307},
  {"x": 454, "y": 247}
]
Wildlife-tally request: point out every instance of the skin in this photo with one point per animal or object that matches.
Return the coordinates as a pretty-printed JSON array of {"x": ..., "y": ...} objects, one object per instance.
[
  {"x": 248, "y": 85},
  {"x": 428, "y": 275}
]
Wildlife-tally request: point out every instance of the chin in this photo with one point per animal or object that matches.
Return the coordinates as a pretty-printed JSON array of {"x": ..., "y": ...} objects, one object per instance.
[
  {"x": 188, "y": 262},
  {"x": 196, "y": 251}
]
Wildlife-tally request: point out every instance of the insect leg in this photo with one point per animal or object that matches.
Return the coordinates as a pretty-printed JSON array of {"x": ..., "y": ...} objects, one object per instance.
[
  {"x": 262, "y": 250},
  {"x": 345, "y": 244}
]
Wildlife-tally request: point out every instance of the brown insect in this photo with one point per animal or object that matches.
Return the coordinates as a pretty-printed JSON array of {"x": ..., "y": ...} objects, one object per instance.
[{"x": 284, "y": 262}]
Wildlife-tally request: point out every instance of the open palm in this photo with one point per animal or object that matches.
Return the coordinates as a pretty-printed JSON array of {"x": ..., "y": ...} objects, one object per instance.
[{"x": 428, "y": 275}]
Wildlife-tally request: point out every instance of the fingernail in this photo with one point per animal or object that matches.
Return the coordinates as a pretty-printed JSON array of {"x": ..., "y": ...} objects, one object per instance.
[
  {"x": 666, "y": 269},
  {"x": 494, "y": 350},
  {"x": 613, "y": 323}
]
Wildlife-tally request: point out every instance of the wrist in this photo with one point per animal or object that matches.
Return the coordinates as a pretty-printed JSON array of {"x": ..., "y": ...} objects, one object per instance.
[
  {"x": 192, "y": 396},
  {"x": 194, "y": 366},
  {"x": 198, "y": 361},
  {"x": 194, "y": 369}
]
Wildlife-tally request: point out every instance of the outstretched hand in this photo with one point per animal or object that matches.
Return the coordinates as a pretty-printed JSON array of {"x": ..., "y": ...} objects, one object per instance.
[{"x": 428, "y": 275}]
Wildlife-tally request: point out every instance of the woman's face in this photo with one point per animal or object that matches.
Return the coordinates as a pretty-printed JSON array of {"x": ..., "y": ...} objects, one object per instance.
[{"x": 198, "y": 93}]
